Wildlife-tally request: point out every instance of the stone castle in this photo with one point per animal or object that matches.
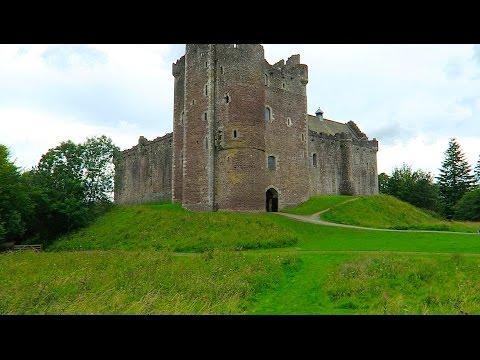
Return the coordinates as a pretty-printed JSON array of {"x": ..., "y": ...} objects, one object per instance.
[{"x": 242, "y": 139}]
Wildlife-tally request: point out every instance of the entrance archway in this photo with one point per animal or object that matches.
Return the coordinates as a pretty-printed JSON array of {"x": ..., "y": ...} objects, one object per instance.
[{"x": 272, "y": 200}]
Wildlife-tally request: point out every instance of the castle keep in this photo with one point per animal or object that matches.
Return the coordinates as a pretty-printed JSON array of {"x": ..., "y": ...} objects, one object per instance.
[{"x": 242, "y": 139}]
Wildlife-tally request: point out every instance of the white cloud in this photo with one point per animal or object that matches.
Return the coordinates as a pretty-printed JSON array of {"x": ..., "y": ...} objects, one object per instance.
[
  {"x": 412, "y": 98},
  {"x": 30, "y": 134}
]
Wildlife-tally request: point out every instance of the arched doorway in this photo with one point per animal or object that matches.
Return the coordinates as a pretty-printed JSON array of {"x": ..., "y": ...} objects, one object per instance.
[{"x": 272, "y": 200}]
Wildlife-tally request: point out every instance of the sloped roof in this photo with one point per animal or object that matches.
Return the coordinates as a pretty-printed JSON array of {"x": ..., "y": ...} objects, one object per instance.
[{"x": 328, "y": 127}]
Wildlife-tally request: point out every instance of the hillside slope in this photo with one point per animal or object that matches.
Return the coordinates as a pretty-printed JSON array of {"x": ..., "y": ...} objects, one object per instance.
[
  {"x": 170, "y": 227},
  {"x": 387, "y": 212}
]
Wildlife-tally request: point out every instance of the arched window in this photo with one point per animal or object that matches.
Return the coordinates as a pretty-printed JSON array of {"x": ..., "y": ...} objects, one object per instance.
[
  {"x": 314, "y": 160},
  {"x": 272, "y": 162},
  {"x": 268, "y": 114}
]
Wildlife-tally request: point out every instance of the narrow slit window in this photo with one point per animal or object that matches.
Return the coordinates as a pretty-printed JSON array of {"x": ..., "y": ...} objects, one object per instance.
[
  {"x": 289, "y": 122},
  {"x": 266, "y": 79},
  {"x": 205, "y": 116},
  {"x": 221, "y": 70},
  {"x": 268, "y": 114},
  {"x": 235, "y": 135},
  {"x": 314, "y": 160},
  {"x": 227, "y": 99},
  {"x": 206, "y": 90},
  {"x": 272, "y": 162}
]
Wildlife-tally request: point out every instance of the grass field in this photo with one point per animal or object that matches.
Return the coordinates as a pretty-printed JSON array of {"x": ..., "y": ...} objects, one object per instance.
[{"x": 155, "y": 259}]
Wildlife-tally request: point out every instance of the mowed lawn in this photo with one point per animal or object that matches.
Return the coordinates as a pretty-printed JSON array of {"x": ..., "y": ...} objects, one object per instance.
[{"x": 159, "y": 259}]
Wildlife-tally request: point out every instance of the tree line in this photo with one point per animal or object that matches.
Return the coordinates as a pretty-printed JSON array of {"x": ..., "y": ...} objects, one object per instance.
[
  {"x": 71, "y": 185},
  {"x": 454, "y": 193}
]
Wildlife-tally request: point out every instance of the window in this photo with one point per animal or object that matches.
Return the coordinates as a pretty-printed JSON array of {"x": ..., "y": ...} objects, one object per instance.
[
  {"x": 314, "y": 160},
  {"x": 283, "y": 85},
  {"x": 227, "y": 99},
  {"x": 289, "y": 122},
  {"x": 206, "y": 90},
  {"x": 193, "y": 102},
  {"x": 206, "y": 143},
  {"x": 221, "y": 70},
  {"x": 205, "y": 116},
  {"x": 235, "y": 134},
  {"x": 206, "y": 64},
  {"x": 272, "y": 163},
  {"x": 268, "y": 114},
  {"x": 266, "y": 79},
  {"x": 303, "y": 137},
  {"x": 235, "y": 46}
]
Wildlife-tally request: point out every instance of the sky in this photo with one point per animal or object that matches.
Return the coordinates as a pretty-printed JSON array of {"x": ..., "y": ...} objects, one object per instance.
[{"x": 412, "y": 98}]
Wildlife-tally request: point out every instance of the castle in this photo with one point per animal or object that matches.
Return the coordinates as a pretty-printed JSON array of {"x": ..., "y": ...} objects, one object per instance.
[{"x": 242, "y": 139}]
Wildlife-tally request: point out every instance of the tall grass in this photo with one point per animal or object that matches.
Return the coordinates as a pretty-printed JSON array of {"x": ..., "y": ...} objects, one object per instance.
[
  {"x": 127, "y": 282},
  {"x": 395, "y": 284}
]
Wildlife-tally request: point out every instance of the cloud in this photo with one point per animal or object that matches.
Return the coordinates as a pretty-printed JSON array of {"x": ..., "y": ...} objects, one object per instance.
[
  {"x": 412, "y": 98},
  {"x": 67, "y": 56},
  {"x": 29, "y": 134}
]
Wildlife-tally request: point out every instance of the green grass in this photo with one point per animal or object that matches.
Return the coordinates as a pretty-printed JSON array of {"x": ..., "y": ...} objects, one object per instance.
[
  {"x": 123, "y": 264},
  {"x": 376, "y": 284},
  {"x": 317, "y": 203},
  {"x": 170, "y": 227},
  {"x": 387, "y": 212},
  {"x": 128, "y": 282}
]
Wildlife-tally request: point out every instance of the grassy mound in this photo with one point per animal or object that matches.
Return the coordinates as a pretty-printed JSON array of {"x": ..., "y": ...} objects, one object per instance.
[
  {"x": 387, "y": 212},
  {"x": 317, "y": 203},
  {"x": 395, "y": 284},
  {"x": 170, "y": 227},
  {"x": 127, "y": 282}
]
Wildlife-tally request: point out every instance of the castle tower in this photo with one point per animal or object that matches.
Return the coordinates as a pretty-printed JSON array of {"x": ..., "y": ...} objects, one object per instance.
[{"x": 219, "y": 130}]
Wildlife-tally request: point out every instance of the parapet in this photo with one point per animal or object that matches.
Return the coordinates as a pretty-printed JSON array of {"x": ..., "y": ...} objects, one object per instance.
[
  {"x": 342, "y": 137},
  {"x": 143, "y": 142},
  {"x": 290, "y": 75},
  {"x": 178, "y": 67}
]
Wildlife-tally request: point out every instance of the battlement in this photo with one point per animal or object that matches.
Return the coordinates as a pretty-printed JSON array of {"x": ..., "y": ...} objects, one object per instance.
[
  {"x": 364, "y": 142},
  {"x": 143, "y": 142},
  {"x": 291, "y": 76},
  {"x": 178, "y": 67}
]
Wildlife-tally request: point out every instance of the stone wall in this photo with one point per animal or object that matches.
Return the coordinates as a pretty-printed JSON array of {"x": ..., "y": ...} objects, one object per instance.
[
  {"x": 344, "y": 165},
  {"x": 144, "y": 172}
]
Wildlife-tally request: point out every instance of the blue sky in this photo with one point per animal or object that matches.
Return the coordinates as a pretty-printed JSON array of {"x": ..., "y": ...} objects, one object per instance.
[{"x": 412, "y": 98}]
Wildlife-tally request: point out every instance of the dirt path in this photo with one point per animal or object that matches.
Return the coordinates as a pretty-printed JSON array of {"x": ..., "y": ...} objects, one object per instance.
[{"x": 315, "y": 219}]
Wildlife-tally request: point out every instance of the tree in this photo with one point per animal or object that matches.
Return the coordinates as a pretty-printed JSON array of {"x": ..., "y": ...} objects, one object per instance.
[
  {"x": 383, "y": 183},
  {"x": 468, "y": 207},
  {"x": 415, "y": 187},
  {"x": 477, "y": 172},
  {"x": 455, "y": 178},
  {"x": 15, "y": 205},
  {"x": 72, "y": 184}
]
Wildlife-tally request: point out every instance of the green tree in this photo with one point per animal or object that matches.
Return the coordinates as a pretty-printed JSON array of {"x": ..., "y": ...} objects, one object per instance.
[
  {"x": 468, "y": 207},
  {"x": 415, "y": 187},
  {"x": 383, "y": 183},
  {"x": 72, "y": 184},
  {"x": 455, "y": 178},
  {"x": 15, "y": 205},
  {"x": 477, "y": 172},
  {"x": 98, "y": 172}
]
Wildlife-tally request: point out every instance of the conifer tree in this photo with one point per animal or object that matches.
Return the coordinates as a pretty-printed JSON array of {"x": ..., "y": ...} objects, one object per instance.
[
  {"x": 477, "y": 172},
  {"x": 455, "y": 177}
]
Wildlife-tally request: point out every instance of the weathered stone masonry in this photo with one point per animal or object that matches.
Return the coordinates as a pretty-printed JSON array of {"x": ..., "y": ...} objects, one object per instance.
[{"x": 242, "y": 139}]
